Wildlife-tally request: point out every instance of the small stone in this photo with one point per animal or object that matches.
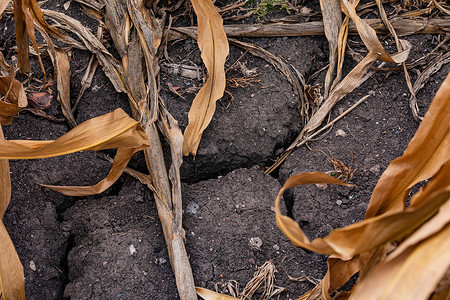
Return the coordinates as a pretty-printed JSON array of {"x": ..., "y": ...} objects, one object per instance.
[
  {"x": 251, "y": 260},
  {"x": 32, "y": 265},
  {"x": 132, "y": 249},
  {"x": 339, "y": 202},
  {"x": 276, "y": 247},
  {"x": 372, "y": 93},
  {"x": 192, "y": 207},
  {"x": 96, "y": 88},
  {"x": 160, "y": 261},
  {"x": 321, "y": 186},
  {"x": 375, "y": 169},
  {"x": 341, "y": 132},
  {"x": 255, "y": 244}
]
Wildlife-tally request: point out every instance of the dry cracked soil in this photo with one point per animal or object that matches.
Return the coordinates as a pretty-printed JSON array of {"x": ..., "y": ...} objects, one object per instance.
[{"x": 110, "y": 246}]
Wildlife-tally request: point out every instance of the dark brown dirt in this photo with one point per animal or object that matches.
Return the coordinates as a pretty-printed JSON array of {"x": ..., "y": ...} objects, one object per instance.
[{"x": 110, "y": 246}]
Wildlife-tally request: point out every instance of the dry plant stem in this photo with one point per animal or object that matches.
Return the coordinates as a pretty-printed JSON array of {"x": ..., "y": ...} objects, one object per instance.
[
  {"x": 414, "y": 108},
  {"x": 137, "y": 36},
  {"x": 440, "y": 7},
  {"x": 332, "y": 20},
  {"x": 309, "y": 138},
  {"x": 432, "y": 68},
  {"x": 402, "y": 27}
]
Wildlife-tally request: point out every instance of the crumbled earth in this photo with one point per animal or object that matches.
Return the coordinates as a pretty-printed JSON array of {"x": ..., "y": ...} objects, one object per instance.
[
  {"x": 118, "y": 248},
  {"x": 261, "y": 119},
  {"x": 110, "y": 246},
  {"x": 229, "y": 214}
]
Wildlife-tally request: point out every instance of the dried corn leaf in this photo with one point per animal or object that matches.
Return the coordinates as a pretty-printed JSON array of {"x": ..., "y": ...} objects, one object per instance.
[
  {"x": 16, "y": 99},
  {"x": 22, "y": 36},
  {"x": 86, "y": 81},
  {"x": 11, "y": 270},
  {"x": 376, "y": 51},
  {"x": 428, "y": 213},
  {"x": 5, "y": 191},
  {"x": 356, "y": 238},
  {"x": 113, "y": 130},
  {"x": 432, "y": 68},
  {"x": 27, "y": 16},
  {"x": 351, "y": 81},
  {"x": 117, "y": 21},
  {"x": 412, "y": 275},
  {"x": 210, "y": 295},
  {"x": 111, "y": 66},
  {"x": 213, "y": 44},
  {"x": 149, "y": 34},
  {"x": 138, "y": 46},
  {"x": 399, "y": 48},
  {"x": 426, "y": 153},
  {"x": 120, "y": 162},
  {"x": 332, "y": 20},
  {"x": 62, "y": 70},
  {"x": 338, "y": 273},
  {"x": 3, "y": 64},
  {"x": 436, "y": 224},
  {"x": 3, "y": 5}
]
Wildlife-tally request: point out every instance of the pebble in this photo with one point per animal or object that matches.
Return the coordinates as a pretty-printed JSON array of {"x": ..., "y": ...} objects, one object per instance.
[
  {"x": 251, "y": 260},
  {"x": 375, "y": 169},
  {"x": 160, "y": 261},
  {"x": 338, "y": 202},
  {"x": 341, "y": 132},
  {"x": 276, "y": 247},
  {"x": 32, "y": 265},
  {"x": 132, "y": 249},
  {"x": 255, "y": 243},
  {"x": 321, "y": 186},
  {"x": 192, "y": 207}
]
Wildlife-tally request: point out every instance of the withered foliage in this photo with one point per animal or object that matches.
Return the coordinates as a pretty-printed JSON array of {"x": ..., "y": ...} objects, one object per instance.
[{"x": 139, "y": 33}]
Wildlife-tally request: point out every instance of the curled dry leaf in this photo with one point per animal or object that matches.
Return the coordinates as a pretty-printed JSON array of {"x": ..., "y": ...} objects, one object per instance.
[
  {"x": 422, "y": 227},
  {"x": 213, "y": 44},
  {"x": 11, "y": 270},
  {"x": 15, "y": 99},
  {"x": 426, "y": 153},
  {"x": 62, "y": 68},
  {"x": 113, "y": 130},
  {"x": 412, "y": 275}
]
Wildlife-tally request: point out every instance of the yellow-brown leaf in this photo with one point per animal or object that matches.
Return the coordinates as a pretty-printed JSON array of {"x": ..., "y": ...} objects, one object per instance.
[
  {"x": 213, "y": 44},
  {"x": 426, "y": 153},
  {"x": 412, "y": 275},
  {"x": 357, "y": 238},
  {"x": 210, "y": 295},
  {"x": 113, "y": 130},
  {"x": 11, "y": 270},
  {"x": 16, "y": 99}
]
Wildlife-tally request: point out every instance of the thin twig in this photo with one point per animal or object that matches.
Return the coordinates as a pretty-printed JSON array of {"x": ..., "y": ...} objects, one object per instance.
[{"x": 308, "y": 138}]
